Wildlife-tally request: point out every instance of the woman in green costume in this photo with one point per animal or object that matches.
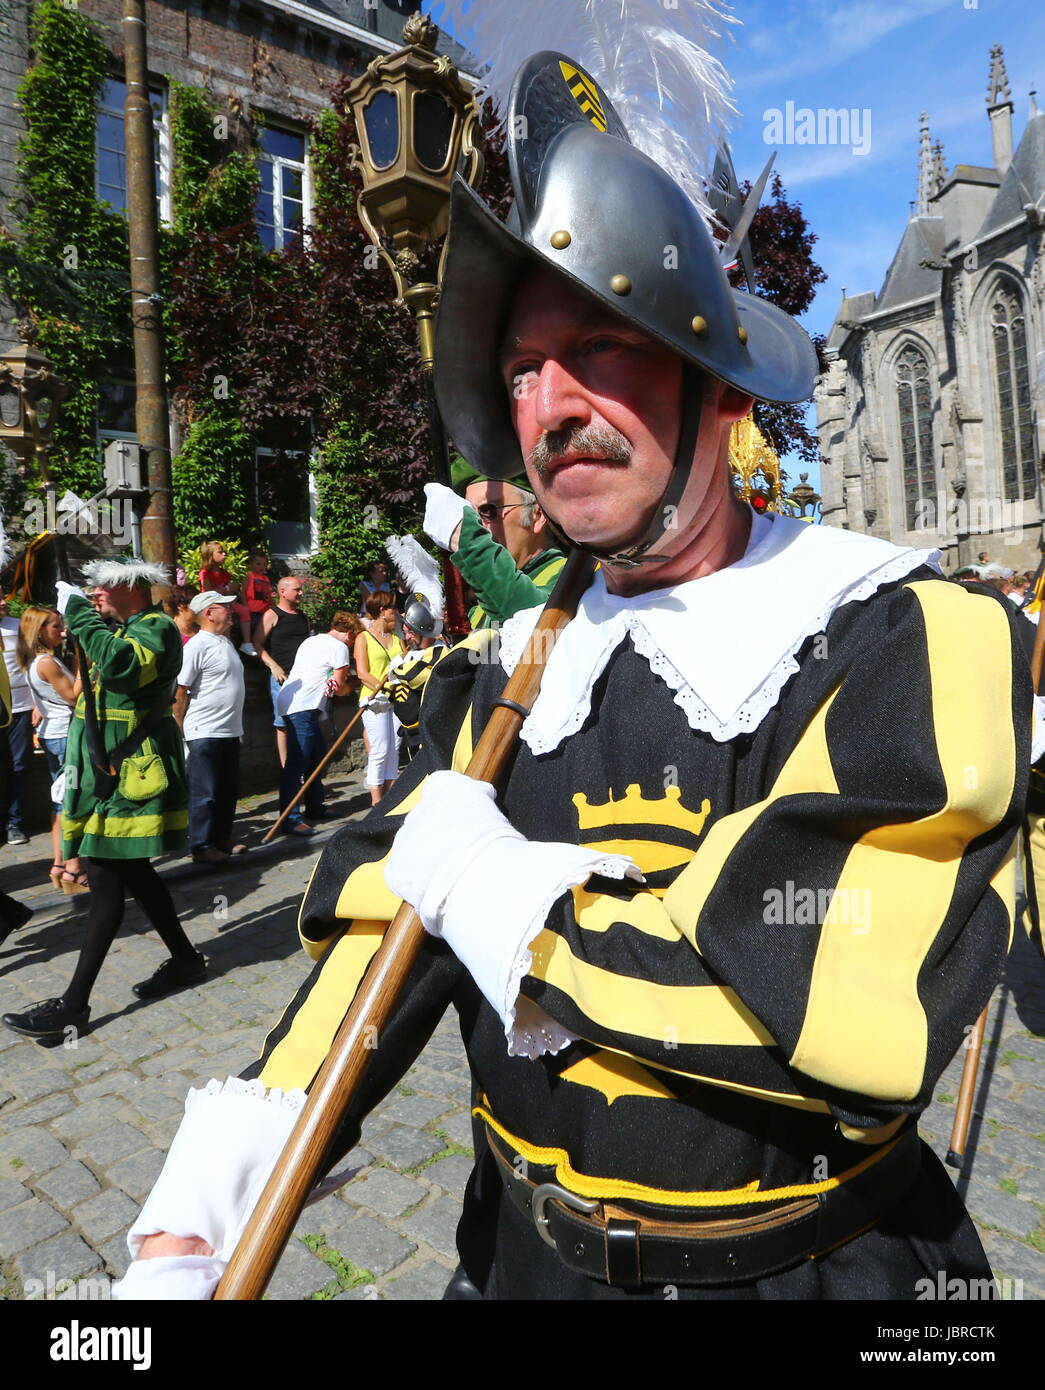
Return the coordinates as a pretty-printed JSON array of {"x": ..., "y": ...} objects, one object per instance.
[{"x": 118, "y": 816}]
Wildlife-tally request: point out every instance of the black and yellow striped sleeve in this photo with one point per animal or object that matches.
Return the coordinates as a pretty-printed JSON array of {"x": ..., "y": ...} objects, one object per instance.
[
  {"x": 834, "y": 939},
  {"x": 345, "y": 912}
]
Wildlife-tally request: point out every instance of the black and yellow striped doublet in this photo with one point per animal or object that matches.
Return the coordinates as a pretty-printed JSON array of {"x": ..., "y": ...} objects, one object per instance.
[{"x": 827, "y": 904}]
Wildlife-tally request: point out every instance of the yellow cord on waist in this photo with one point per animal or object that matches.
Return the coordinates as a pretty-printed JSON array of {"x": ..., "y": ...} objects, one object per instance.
[{"x": 611, "y": 1189}]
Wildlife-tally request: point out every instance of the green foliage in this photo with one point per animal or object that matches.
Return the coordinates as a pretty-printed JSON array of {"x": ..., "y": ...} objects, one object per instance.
[
  {"x": 58, "y": 96},
  {"x": 215, "y": 163},
  {"x": 69, "y": 274},
  {"x": 213, "y": 475},
  {"x": 191, "y": 561},
  {"x": 352, "y": 530},
  {"x": 319, "y": 603}
]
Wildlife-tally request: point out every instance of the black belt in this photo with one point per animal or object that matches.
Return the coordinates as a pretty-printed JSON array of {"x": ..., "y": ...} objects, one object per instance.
[{"x": 607, "y": 1243}]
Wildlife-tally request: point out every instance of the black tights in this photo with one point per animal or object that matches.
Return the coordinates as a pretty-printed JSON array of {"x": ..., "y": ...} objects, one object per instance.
[{"x": 111, "y": 880}]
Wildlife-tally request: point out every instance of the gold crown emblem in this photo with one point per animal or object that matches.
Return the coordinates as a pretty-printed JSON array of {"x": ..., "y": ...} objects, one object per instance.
[{"x": 634, "y": 809}]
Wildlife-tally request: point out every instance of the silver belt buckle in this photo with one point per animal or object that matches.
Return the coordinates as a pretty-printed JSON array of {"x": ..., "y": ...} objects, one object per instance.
[{"x": 552, "y": 1192}]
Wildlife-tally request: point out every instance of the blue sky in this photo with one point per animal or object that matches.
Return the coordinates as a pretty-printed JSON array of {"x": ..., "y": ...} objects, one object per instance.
[{"x": 892, "y": 59}]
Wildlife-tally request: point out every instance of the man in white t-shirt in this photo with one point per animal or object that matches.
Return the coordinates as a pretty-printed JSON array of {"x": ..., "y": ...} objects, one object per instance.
[
  {"x": 16, "y": 740},
  {"x": 320, "y": 671},
  {"x": 209, "y": 707}
]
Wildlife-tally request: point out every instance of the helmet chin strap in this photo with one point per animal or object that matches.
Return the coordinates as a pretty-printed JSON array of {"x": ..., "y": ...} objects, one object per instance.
[{"x": 665, "y": 513}]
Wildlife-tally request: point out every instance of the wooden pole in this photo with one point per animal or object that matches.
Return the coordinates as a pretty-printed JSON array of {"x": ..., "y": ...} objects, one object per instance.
[
  {"x": 303, "y": 1160},
  {"x": 151, "y": 421},
  {"x": 971, "y": 1066},
  {"x": 318, "y": 771}
]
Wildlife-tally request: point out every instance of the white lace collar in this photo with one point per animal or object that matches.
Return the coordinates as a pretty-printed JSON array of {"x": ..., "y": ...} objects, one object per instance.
[{"x": 725, "y": 643}]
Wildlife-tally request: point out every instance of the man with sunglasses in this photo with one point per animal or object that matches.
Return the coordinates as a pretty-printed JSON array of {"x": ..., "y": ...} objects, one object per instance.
[{"x": 499, "y": 540}]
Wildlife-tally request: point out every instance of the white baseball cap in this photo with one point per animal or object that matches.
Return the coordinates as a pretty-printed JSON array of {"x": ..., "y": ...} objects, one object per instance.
[{"x": 202, "y": 601}]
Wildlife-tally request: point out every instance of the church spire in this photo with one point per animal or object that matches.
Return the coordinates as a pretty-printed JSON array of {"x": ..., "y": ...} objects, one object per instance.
[
  {"x": 997, "y": 82},
  {"x": 925, "y": 168},
  {"x": 939, "y": 174},
  {"x": 999, "y": 110}
]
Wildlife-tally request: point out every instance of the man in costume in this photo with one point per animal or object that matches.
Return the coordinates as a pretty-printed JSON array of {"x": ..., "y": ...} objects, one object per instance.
[
  {"x": 761, "y": 873},
  {"x": 498, "y": 538},
  {"x": 126, "y": 799}
]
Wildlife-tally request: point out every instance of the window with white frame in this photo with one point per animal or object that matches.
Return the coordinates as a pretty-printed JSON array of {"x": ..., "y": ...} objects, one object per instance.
[
  {"x": 111, "y": 149},
  {"x": 283, "y": 202}
]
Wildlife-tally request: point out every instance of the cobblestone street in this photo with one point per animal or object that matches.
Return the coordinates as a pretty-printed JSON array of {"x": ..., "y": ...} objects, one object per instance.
[{"x": 83, "y": 1129}]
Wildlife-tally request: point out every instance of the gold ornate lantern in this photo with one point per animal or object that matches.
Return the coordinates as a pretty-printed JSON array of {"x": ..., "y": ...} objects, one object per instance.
[
  {"x": 30, "y": 398},
  {"x": 417, "y": 124}
]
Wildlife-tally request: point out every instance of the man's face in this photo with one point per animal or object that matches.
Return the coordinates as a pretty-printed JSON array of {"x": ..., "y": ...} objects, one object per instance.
[
  {"x": 500, "y": 507},
  {"x": 291, "y": 591},
  {"x": 217, "y": 618},
  {"x": 114, "y": 602},
  {"x": 596, "y": 407}
]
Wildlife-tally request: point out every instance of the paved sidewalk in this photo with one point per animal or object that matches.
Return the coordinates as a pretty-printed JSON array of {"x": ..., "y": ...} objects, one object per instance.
[{"x": 83, "y": 1129}]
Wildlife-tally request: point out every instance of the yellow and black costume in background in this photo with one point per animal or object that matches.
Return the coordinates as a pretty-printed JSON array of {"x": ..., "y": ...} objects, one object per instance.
[
  {"x": 410, "y": 675},
  {"x": 737, "y": 1057}
]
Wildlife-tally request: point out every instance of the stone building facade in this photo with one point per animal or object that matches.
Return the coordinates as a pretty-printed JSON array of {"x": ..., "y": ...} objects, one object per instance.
[{"x": 931, "y": 412}]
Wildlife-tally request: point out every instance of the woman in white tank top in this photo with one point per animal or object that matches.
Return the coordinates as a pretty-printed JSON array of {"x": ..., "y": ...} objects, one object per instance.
[{"x": 54, "y": 690}]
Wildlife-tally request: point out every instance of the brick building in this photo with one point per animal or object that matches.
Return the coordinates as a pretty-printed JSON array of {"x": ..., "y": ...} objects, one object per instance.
[{"x": 276, "y": 58}]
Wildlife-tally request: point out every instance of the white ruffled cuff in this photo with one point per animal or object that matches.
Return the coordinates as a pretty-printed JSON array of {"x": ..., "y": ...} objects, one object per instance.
[
  {"x": 524, "y": 879},
  {"x": 222, "y": 1155},
  {"x": 1037, "y": 741},
  {"x": 173, "y": 1278}
]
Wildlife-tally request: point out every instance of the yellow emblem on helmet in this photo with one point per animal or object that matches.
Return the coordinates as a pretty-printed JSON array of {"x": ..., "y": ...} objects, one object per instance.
[{"x": 585, "y": 94}]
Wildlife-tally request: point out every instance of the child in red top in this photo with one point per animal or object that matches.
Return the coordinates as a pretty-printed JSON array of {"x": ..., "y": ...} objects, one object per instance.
[
  {"x": 215, "y": 579},
  {"x": 257, "y": 590}
]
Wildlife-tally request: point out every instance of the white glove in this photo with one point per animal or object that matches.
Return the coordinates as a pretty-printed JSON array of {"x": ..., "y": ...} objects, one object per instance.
[
  {"x": 455, "y": 820},
  {"x": 487, "y": 891},
  {"x": 65, "y": 593},
  {"x": 443, "y": 513}
]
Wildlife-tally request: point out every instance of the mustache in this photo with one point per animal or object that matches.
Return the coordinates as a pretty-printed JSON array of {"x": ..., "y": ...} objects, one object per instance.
[{"x": 588, "y": 439}]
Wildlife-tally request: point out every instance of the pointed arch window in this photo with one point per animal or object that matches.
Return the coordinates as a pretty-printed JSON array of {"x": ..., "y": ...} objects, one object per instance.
[
  {"x": 1012, "y": 394},
  {"x": 914, "y": 404}
]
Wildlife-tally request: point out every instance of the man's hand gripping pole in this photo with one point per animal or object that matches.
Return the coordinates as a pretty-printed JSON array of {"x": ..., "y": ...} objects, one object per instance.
[{"x": 302, "y": 1161}]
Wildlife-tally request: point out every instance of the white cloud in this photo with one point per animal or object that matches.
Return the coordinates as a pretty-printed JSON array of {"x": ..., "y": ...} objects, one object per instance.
[{"x": 823, "y": 34}]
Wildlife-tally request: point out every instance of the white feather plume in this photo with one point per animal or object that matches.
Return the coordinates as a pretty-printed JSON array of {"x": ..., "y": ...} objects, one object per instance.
[
  {"x": 5, "y": 544},
  {"x": 655, "y": 63},
  {"x": 111, "y": 574},
  {"x": 420, "y": 572}
]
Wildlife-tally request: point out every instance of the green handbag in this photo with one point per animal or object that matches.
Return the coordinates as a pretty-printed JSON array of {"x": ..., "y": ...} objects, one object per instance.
[{"x": 142, "y": 777}]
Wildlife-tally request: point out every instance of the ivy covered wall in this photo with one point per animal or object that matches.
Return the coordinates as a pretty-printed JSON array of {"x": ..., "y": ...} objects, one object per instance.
[{"x": 297, "y": 349}]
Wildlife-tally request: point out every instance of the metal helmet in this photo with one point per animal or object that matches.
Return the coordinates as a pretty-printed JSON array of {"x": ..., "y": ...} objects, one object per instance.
[
  {"x": 614, "y": 225},
  {"x": 420, "y": 617}
]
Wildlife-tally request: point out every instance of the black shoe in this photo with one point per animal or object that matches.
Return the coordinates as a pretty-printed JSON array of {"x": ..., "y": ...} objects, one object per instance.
[
  {"x": 172, "y": 974},
  {"x": 300, "y": 828},
  {"x": 16, "y": 835},
  {"x": 48, "y": 1019},
  {"x": 17, "y": 917}
]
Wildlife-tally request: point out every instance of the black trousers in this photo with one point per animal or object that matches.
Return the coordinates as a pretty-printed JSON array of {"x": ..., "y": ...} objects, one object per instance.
[
  {"x": 213, "y": 773},
  {"x": 16, "y": 748},
  {"x": 111, "y": 881}
]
